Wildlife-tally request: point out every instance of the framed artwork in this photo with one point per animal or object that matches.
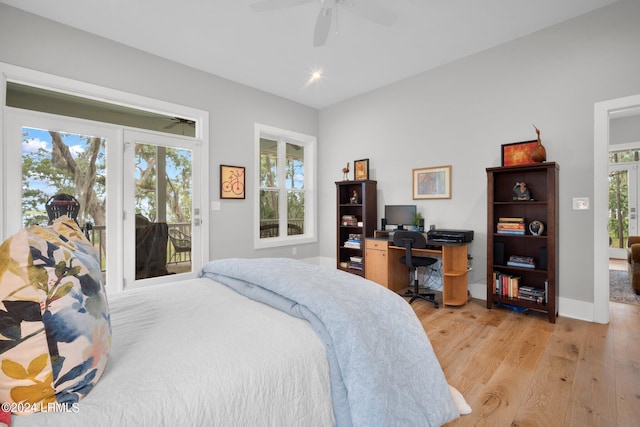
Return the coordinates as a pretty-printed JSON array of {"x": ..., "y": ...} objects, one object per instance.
[
  {"x": 518, "y": 153},
  {"x": 231, "y": 182},
  {"x": 432, "y": 183},
  {"x": 361, "y": 170}
]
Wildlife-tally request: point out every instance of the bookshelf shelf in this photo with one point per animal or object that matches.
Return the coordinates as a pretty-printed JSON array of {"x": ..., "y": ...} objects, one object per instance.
[{"x": 539, "y": 251}]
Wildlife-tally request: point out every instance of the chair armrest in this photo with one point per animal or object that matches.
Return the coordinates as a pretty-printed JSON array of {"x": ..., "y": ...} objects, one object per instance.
[{"x": 634, "y": 251}]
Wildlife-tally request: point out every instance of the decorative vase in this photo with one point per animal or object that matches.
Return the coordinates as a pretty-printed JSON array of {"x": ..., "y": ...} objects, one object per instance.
[{"x": 539, "y": 153}]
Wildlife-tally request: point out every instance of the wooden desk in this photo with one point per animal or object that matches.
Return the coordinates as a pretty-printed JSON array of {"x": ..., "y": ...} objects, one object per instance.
[{"x": 382, "y": 265}]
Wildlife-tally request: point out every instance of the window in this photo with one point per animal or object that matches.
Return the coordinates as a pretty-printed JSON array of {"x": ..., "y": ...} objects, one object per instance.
[{"x": 285, "y": 198}]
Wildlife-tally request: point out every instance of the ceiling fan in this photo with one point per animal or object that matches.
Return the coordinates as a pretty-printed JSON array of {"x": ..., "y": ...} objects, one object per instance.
[
  {"x": 366, "y": 9},
  {"x": 175, "y": 121}
]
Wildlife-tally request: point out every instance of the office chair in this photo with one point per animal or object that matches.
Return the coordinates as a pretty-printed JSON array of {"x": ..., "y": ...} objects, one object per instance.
[{"x": 415, "y": 240}]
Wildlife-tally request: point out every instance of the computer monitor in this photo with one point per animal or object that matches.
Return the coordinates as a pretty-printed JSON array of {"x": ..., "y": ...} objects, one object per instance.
[{"x": 399, "y": 215}]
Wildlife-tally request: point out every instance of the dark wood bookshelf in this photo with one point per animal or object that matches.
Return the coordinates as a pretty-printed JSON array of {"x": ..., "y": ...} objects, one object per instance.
[
  {"x": 365, "y": 210},
  {"x": 542, "y": 182}
]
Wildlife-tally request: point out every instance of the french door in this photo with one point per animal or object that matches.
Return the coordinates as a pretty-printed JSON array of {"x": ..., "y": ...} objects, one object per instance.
[
  {"x": 162, "y": 206},
  {"x": 623, "y": 207},
  {"x": 117, "y": 175}
]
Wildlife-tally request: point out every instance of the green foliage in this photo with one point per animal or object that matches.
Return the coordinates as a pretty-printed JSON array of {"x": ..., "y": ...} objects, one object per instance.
[
  {"x": 618, "y": 223},
  {"x": 83, "y": 175}
]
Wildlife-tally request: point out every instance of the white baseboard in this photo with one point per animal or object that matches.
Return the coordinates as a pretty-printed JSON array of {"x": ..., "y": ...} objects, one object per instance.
[
  {"x": 575, "y": 309},
  {"x": 478, "y": 290}
]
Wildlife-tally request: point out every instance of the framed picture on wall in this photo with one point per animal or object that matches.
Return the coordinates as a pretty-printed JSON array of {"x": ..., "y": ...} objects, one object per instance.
[
  {"x": 361, "y": 170},
  {"x": 231, "y": 182},
  {"x": 518, "y": 153},
  {"x": 432, "y": 183}
]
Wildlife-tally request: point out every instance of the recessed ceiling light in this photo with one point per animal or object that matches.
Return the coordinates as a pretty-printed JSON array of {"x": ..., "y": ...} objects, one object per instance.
[{"x": 315, "y": 75}]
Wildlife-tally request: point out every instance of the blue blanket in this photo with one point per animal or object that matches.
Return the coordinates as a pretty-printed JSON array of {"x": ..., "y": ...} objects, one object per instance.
[{"x": 383, "y": 369}]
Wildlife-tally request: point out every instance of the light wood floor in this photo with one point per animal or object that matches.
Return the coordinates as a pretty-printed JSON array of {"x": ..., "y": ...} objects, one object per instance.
[{"x": 517, "y": 369}]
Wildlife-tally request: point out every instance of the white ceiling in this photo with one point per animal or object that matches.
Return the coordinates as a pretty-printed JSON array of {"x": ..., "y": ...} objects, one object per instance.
[{"x": 273, "y": 51}]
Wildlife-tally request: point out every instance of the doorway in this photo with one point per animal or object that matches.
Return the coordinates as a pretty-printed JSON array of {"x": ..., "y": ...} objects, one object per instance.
[
  {"x": 602, "y": 116},
  {"x": 161, "y": 176}
]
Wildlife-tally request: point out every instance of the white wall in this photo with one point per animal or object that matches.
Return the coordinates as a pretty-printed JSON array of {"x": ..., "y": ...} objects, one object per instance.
[
  {"x": 39, "y": 44},
  {"x": 460, "y": 114}
]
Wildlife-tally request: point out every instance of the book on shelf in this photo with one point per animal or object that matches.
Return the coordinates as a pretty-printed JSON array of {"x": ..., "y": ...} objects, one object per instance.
[
  {"x": 521, "y": 261},
  {"x": 530, "y": 293},
  {"x": 511, "y": 219},
  {"x": 354, "y": 241},
  {"x": 349, "y": 220},
  {"x": 514, "y": 232},
  {"x": 510, "y": 225},
  {"x": 507, "y": 285},
  {"x": 352, "y": 245},
  {"x": 356, "y": 265},
  {"x": 355, "y": 259}
]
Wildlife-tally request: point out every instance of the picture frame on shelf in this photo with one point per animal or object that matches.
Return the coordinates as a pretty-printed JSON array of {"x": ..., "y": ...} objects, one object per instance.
[
  {"x": 432, "y": 183},
  {"x": 518, "y": 153},
  {"x": 232, "y": 182},
  {"x": 361, "y": 170}
]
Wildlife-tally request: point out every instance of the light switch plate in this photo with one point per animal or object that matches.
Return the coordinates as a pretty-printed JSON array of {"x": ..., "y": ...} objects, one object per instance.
[{"x": 580, "y": 203}]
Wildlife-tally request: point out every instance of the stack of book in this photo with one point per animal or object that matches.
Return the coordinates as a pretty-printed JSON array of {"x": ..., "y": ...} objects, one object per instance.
[
  {"x": 532, "y": 294},
  {"x": 510, "y": 225},
  {"x": 505, "y": 284},
  {"x": 354, "y": 241},
  {"x": 521, "y": 261},
  {"x": 355, "y": 263},
  {"x": 349, "y": 220}
]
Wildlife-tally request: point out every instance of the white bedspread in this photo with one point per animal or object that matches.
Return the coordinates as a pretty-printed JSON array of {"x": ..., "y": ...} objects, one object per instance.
[{"x": 196, "y": 353}]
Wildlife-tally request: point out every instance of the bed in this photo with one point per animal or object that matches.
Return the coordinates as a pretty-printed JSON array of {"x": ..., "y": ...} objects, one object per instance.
[
  {"x": 263, "y": 342},
  {"x": 197, "y": 353}
]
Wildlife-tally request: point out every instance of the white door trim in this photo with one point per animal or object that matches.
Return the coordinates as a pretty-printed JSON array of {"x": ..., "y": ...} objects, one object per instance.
[{"x": 602, "y": 111}]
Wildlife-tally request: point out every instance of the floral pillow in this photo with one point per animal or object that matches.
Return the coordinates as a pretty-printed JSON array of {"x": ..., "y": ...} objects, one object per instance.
[{"x": 55, "y": 331}]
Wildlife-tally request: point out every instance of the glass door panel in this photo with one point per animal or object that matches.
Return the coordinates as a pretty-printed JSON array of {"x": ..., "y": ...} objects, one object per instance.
[
  {"x": 53, "y": 158},
  {"x": 623, "y": 200},
  {"x": 160, "y": 196},
  {"x": 163, "y": 195}
]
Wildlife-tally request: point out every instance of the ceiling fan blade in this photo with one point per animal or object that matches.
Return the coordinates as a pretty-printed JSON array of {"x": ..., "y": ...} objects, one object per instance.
[
  {"x": 323, "y": 24},
  {"x": 372, "y": 11},
  {"x": 268, "y": 5}
]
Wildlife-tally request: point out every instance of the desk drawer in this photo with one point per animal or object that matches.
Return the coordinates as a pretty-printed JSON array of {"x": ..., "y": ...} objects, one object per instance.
[{"x": 376, "y": 244}]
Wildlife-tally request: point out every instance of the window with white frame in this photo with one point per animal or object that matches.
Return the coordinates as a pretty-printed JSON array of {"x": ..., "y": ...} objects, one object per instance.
[{"x": 285, "y": 200}]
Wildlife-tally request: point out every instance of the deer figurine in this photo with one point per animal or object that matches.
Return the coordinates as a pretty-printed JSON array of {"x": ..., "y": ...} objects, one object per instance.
[{"x": 345, "y": 171}]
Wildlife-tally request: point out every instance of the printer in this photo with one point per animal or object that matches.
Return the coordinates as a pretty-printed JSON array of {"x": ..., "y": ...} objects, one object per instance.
[{"x": 453, "y": 236}]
